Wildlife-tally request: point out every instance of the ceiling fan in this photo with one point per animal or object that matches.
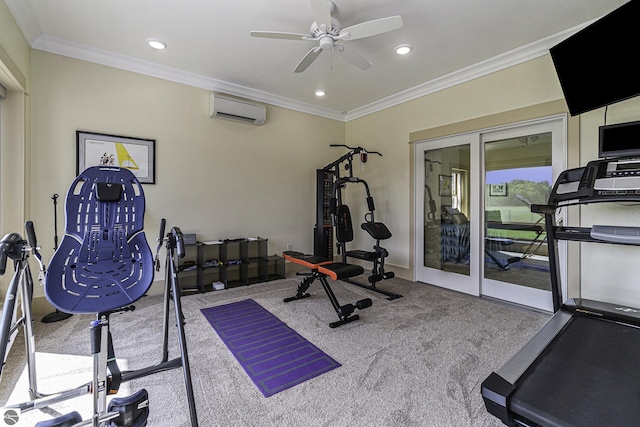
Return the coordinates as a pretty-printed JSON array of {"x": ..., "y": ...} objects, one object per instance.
[{"x": 327, "y": 31}]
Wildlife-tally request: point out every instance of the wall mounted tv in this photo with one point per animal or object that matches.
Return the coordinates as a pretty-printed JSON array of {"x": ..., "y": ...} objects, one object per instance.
[
  {"x": 597, "y": 66},
  {"x": 619, "y": 140}
]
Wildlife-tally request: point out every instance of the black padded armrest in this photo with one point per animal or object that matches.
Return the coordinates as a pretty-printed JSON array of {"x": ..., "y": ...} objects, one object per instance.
[{"x": 377, "y": 230}]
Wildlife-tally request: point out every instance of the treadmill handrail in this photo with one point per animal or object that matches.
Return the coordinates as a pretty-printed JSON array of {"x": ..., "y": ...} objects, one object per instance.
[{"x": 520, "y": 362}]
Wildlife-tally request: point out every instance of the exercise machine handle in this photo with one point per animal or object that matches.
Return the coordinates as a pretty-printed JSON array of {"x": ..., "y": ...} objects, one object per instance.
[
  {"x": 163, "y": 224},
  {"x": 356, "y": 149},
  {"x": 10, "y": 247},
  {"x": 31, "y": 234},
  {"x": 177, "y": 235},
  {"x": 370, "y": 204}
]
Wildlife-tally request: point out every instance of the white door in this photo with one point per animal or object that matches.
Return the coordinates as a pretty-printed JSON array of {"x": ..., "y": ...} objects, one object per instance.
[
  {"x": 446, "y": 182},
  {"x": 475, "y": 232}
]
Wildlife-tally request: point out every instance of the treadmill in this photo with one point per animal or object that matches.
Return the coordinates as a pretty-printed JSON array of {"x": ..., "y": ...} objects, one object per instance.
[{"x": 583, "y": 367}]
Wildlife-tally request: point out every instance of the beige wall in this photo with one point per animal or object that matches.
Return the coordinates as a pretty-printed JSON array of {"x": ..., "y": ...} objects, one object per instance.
[
  {"x": 216, "y": 178},
  {"x": 14, "y": 69},
  {"x": 14, "y": 52}
]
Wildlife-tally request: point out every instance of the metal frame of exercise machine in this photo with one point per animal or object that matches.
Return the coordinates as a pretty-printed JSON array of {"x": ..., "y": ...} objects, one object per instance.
[
  {"x": 341, "y": 220},
  {"x": 321, "y": 268},
  {"x": 109, "y": 226},
  {"x": 20, "y": 291}
]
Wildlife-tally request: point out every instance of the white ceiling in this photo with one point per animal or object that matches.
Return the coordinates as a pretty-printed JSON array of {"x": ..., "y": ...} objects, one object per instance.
[{"x": 209, "y": 44}]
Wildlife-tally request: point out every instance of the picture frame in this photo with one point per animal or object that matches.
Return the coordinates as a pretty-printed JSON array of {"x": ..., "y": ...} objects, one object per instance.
[
  {"x": 498, "y": 189},
  {"x": 444, "y": 188},
  {"x": 136, "y": 154}
]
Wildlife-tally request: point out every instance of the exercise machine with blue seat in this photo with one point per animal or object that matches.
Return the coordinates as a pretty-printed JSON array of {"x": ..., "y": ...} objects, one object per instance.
[
  {"x": 102, "y": 266},
  {"x": 321, "y": 268},
  {"x": 341, "y": 220}
]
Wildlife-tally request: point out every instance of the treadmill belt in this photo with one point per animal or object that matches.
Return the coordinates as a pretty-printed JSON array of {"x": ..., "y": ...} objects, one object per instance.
[{"x": 588, "y": 376}]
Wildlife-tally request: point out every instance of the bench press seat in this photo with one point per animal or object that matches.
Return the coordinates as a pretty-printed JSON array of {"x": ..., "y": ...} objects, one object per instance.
[
  {"x": 335, "y": 270},
  {"x": 340, "y": 270},
  {"x": 309, "y": 261}
]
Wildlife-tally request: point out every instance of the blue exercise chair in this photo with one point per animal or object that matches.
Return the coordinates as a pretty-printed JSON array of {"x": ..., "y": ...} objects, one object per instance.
[
  {"x": 103, "y": 265},
  {"x": 104, "y": 261}
]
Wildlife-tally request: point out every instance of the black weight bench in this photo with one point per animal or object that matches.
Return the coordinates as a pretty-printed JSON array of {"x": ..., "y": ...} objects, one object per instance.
[{"x": 321, "y": 268}]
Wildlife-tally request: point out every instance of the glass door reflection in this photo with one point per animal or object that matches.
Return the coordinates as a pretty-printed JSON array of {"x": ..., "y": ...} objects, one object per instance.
[
  {"x": 518, "y": 172},
  {"x": 447, "y": 228}
]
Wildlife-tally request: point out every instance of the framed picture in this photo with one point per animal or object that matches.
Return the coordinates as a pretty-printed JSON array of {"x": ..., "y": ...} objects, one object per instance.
[
  {"x": 137, "y": 155},
  {"x": 445, "y": 186},
  {"x": 498, "y": 189}
]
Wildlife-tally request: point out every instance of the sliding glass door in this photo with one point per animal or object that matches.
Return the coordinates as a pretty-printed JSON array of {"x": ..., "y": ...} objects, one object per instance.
[
  {"x": 475, "y": 232},
  {"x": 520, "y": 167}
]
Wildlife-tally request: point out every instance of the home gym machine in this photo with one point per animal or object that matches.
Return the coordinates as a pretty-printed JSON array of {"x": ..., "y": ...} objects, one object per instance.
[
  {"x": 332, "y": 214},
  {"x": 103, "y": 265},
  {"x": 581, "y": 368}
]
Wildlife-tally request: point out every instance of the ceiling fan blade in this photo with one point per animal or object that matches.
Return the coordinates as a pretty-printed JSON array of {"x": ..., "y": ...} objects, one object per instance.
[
  {"x": 371, "y": 28},
  {"x": 321, "y": 13},
  {"x": 353, "y": 57},
  {"x": 308, "y": 59},
  {"x": 278, "y": 35}
]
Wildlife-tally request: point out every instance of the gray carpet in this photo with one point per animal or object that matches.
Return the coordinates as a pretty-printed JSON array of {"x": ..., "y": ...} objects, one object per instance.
[{"x": 414, "y": 361}]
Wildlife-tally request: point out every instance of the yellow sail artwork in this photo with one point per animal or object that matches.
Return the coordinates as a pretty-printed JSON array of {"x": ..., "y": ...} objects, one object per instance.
[{"x": 124, "y": 158}]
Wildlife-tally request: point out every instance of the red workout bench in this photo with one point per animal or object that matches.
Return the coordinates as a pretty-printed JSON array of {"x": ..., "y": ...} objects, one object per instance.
[{"x": 320, "y": 269}]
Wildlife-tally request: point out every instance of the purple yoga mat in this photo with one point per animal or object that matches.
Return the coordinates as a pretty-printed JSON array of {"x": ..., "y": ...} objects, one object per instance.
[{"x": 274, "y": 356}]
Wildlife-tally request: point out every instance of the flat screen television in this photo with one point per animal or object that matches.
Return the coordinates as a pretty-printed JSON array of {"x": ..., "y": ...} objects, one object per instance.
[
  {"x": 619, "y": 140},
  {"x": 598, "y": 65}
]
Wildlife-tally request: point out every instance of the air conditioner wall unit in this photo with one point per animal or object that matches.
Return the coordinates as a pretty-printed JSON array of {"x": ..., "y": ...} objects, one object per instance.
[{"x": 239, "y": 110}]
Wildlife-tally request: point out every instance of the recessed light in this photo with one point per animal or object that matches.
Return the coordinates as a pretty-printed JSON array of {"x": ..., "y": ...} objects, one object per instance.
[
  {"x": 403, "y": 49},
  {"x": 157, "y": 44},
  {"x": 320, "y": 92}
]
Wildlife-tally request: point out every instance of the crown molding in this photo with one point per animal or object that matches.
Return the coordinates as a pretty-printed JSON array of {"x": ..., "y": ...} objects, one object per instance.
[
  {"x": 497, "y": 63},
  {"x": 85, "y": 53}
]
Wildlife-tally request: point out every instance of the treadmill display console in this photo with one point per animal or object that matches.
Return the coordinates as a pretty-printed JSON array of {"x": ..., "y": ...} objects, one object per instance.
[
  {"x": 625, "y": 167},
  {"x": 600, "y": 180}
]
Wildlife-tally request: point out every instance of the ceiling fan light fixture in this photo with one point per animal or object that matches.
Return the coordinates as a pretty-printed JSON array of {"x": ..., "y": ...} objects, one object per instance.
[
  {"x": 403, "y": 49},
  {"x": 157, "y": 44},
  {"x": 327, "y": 30},
  {"x": 320, "y": 92}
]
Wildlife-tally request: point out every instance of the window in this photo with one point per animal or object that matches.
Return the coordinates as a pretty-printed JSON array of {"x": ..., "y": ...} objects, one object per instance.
[{"x": 460, "y": 200}]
